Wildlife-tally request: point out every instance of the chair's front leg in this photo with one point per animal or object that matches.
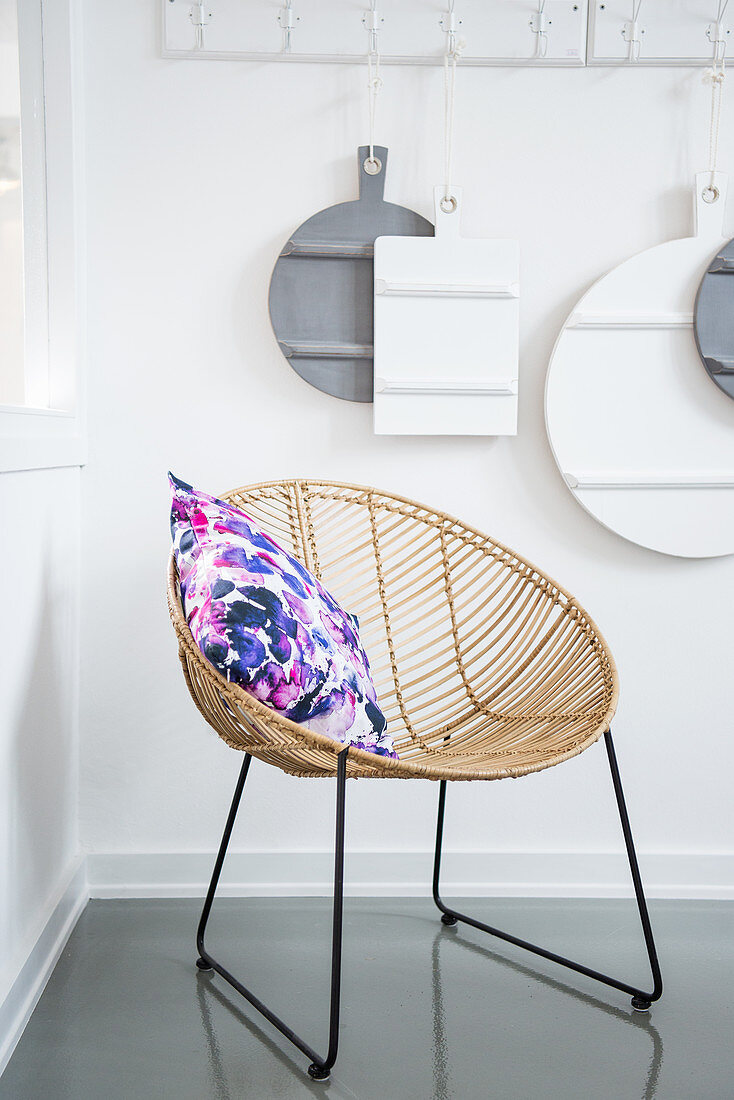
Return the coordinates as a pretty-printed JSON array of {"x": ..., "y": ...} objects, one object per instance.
[
  {"x": 640, "y": 999},
  {"x": 204, "y": 962},
  {"x": 447, "y": 917},
  {"x": 320, "y": 1068}
]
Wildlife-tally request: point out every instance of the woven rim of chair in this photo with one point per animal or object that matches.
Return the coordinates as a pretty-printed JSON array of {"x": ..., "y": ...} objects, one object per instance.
[{"x": 247, "y": 724}]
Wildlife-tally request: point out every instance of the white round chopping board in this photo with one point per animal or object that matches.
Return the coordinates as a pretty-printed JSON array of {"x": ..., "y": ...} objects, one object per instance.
[{"x": 643, "y": 440}]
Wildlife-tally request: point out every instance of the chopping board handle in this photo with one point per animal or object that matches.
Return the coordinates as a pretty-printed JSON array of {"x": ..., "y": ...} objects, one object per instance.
[
  {"x": 710, "y": 214},
  {"x": 372, "y": 184},
  {"x": 448, "y": 221}
]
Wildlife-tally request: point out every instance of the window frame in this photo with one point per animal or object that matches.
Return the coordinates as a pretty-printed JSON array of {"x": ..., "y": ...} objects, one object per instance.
[{"x": 49, "y": 430}]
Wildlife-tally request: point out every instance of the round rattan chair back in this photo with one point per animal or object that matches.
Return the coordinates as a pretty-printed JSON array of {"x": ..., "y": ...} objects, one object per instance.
[{"x": 484, "y": 667}]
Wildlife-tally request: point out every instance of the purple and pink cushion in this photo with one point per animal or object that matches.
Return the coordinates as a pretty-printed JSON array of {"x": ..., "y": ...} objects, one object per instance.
[{"x": 266, "y": 623}]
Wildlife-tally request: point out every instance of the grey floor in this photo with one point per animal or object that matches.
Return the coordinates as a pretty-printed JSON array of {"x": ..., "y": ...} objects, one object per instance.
[{"x": 428, "y": 1012}]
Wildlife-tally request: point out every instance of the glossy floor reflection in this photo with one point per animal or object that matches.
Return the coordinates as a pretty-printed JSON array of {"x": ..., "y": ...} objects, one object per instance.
[{"x": 428, "y": 1012}]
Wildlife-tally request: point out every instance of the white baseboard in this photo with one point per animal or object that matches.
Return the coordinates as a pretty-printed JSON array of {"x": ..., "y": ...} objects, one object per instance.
[
  {"x": 16, "y": 1009},
  {"x": 408, "y": 874}
]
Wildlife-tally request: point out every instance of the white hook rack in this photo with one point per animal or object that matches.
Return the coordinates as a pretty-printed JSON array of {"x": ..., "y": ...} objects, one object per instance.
[
  {"x": 406, "y": 32},
  {"x": 592, "y": 32},
  {"x": 675, "y": 32}
]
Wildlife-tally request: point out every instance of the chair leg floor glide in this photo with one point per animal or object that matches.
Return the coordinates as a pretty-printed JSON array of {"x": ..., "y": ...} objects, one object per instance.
[
  {"x": 320, "y": 1068},
  {"x": 641, "y": 1001}
]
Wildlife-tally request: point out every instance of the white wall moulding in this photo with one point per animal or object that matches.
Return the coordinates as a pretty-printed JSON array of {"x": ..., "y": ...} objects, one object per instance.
[
  {"x": 17, "y": 1005},
  {"x": 408, "y": 874},
  {"x": 446, "y": 331},
  {"x": 643, "y": 439},
  {"x": 36, "y": 439},
  {"x": 44, "y": 453},
  {"x": 406, "y": 32},
  {"x": 666, "y": 32}
]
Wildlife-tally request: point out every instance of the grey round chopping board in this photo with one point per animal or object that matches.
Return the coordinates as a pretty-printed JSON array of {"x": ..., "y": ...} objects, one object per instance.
[
  {"x": 321, "y": 291},
  {"x": 713, "y": 319}
]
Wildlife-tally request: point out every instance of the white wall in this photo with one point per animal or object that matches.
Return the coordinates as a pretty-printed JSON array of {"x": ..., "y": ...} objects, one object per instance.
[
  {"x": 197, "y": 172},
  {"x": 39, "y": 745}
]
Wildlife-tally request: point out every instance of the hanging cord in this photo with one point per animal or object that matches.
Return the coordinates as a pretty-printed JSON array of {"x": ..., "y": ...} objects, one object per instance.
[
  {"x": 286, "y": 22},
  {"x": 717, "y": 76},
  {"x": 374, "y": 84},
  {"x": 453, "y": 52}
]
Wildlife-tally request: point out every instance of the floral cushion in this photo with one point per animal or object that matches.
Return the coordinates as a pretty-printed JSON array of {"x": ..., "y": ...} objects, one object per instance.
[{"x": 268, "y": 624}]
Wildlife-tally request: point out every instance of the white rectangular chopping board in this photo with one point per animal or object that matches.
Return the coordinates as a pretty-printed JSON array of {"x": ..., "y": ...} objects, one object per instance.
[{"x": 446, "y": 332}]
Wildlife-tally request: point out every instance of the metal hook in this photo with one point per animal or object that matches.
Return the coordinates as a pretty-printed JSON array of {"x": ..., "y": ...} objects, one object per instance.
[
  {"x": 539, "y": 23},
  {"x": 632, "y": 32},
  {"x": 287, "y": 22},
  {"x": 448, "y": 24},
  {"x": 199, "y": 16},
  {"x": 372, "y": 20},
  {"x": 716, "y": 34}
]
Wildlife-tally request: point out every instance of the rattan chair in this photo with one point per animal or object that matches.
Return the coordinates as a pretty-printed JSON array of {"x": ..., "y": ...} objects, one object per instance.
[{"x": 485, "y": 668}]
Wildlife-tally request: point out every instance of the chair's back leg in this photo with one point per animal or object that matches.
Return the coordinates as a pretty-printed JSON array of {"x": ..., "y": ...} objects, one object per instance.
[
  {"x": 641, "y": 1003},
  {"x": 202, "y": 962},
  {"x": 641, "y": 1000}
]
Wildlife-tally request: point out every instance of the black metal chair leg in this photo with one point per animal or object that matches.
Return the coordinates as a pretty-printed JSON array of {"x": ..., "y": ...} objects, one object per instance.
[
  {"x": 203, "y": 962},
  {"x": 640, "y": 999},
  {"x": 320, "y": 1068}
]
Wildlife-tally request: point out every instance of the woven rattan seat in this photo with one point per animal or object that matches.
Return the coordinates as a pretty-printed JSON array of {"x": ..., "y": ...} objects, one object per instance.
[{"x": 484, "y": 667}]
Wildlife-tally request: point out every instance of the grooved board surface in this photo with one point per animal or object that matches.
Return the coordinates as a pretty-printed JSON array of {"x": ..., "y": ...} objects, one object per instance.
[
  {"x": 714, "y": 319},
  {"x": 446, "y": 332},
  {"x": 321, "y": 288}
]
